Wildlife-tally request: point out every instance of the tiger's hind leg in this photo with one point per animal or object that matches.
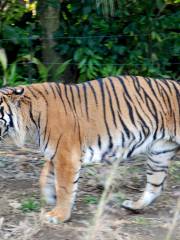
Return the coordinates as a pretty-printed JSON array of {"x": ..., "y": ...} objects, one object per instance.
[
  {"x": 47, "y": 183},
  {"x": 159, "y": 158}
]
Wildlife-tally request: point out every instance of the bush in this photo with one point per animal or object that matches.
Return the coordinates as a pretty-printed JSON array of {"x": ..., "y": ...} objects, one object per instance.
[{"x": 147, "y": 41}]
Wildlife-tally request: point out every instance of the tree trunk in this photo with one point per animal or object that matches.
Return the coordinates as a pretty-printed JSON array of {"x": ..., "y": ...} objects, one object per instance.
[{"x": 49, "y": 21}]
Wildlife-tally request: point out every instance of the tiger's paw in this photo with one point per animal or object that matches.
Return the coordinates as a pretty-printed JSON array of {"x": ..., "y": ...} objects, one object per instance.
[
  {"x": 128, "y": 204},
  {"x": 131, "y": 205},
  {"x": 56, "y": 216}
]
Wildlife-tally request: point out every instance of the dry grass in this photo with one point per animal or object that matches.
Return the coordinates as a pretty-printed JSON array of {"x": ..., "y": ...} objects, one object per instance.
[
  {"x": 97, "y": 222},
  {"x": 25, "y": 230},
  {"x": 174, "y": 221}
]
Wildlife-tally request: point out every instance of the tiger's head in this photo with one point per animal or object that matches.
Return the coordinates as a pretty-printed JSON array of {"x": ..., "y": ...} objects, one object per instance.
[{"x": 10, "y": 120}]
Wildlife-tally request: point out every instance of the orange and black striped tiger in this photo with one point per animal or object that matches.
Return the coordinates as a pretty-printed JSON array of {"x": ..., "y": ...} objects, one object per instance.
[{"x": 96, "y": 121}]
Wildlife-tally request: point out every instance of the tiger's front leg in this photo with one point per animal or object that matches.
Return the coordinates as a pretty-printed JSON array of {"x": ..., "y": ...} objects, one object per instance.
[{"x": 66, "y": 169}]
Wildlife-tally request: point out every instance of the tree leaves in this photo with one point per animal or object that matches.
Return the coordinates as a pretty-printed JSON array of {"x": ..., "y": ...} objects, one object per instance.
[{"x": 140, "y": 39}]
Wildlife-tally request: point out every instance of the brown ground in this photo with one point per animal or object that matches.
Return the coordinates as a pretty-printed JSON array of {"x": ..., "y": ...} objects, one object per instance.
[{"x": 19, "y": 173}]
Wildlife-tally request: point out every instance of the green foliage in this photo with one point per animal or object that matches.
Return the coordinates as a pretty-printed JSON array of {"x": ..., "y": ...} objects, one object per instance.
[
  {"x": 12, "y": 77},
  {"x": 16, "y": 28},
  {"x": 95, "y": 39},
  {"x": 30, "y": 205},
  {"x": 90, "y": 199},
  {"x": 13, "y": 32},
  {"x": 9, "y": 73},
  {"x": 148, "y": 42},
  {"x": 61, "y": 68}
]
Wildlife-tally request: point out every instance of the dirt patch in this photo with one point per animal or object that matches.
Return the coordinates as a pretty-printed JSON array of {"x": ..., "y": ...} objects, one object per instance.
[{"x": 19, "y": 192}]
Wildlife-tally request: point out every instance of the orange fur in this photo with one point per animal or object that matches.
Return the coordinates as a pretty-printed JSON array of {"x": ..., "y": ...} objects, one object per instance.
[{"x": 99, "y": 121}]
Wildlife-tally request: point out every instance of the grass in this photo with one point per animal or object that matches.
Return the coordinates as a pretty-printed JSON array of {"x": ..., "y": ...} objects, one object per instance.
[
  {"x": 89, "y": 199},
  {"x": 30, "y": 205},
  {"x": 174, "y": 171},
  {"x": 119, "y": 197},
  {"x": 141, "y": 220}
]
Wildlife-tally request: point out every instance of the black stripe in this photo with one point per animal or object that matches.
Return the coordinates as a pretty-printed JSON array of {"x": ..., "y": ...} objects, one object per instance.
[
  {"x": 153, "y": 111},
  {"x": 162, "y": 129},
  {"x": 115, "y": 94},
  {"x": 164, "y": 152},
  {"x": 72, "y": 97},
  {"x": 157, "y": 170},
  {"x": 149, "y": 81},
  {"x": 177, "y": 96},
  {"x": 162, "y": 92},
  {"x": 79, "y": 133},
  {"x": 166, "y": 83},
  {"x": 43, "y": 85},
  {"x": 31, "y": 115},
  {"x": 77, "y": 88},
  {"x": 125, "y": 128},
  {"x": 11, "y": 124},
  {"x": 111, "y": 106},
  {"x": 151, "y": 87},
  {"x": 76, "y": 181},
  {"x": 2, "y": 111},
  {"x": 130, "y": 109},
  {"x": 79, "y": 96},
  {"x": 137, "y": 85},
  {"x": 175, "y": 127},
  {"x": 121, "y": 80},
  {"x": 39, "y": 128},
  {"x": 158, "y": 86},
  {"x": 100, "y": 82},
  {"x": 32, "y": 92},
  {"x": 123, "y": 139},
  {"x": 85, "y": 99},
  {"x": 66, "y": 94},
  {"x": 45, "y": 128},
  {"x": 92, "y": 153},
  {"x": 157, "y": 163},
  {"x": 51, "y": 87},
  {"x": 136, "y": 145},
  {"x": 159, "y": 184},
  {"x": 47, "y": 142},
  {"x": 144, "y": 112},
  {"x": 93, "y": 91},
  {"x": 58, "y": 88},
  {"x": 143, "y": 123},
  {"x": 56, "y": 148},
  {"x": 42, "y": 95},
  {"x": 99, "y": 141}
]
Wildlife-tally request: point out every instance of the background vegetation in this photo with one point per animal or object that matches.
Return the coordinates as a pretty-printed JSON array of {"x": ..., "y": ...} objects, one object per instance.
[{"x": 75, "y": 41}]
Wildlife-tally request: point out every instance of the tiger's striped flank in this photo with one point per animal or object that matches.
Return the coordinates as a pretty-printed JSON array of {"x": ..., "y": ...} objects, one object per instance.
[{"x": 96, "y": 121}]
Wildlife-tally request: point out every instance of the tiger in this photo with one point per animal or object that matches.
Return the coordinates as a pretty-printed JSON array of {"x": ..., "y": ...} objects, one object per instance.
[{"x": 97, "y": 121}]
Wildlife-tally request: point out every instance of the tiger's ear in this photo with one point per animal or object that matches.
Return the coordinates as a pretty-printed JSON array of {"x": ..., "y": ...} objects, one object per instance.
[
  {"x": 14, "y": 94},
  {"x": 17, "y": 94},
  {"x": 18, "y": 91}
]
